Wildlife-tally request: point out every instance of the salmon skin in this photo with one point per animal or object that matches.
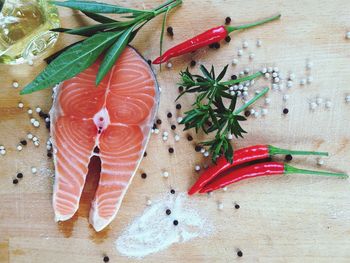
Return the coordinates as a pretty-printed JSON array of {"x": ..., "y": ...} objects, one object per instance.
[{"x": 112, "y": 121}]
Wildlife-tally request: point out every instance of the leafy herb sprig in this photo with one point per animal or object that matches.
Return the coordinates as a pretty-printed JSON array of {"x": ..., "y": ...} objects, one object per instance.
[
  {"x": 110, "y": 36},
  {"x": 214, "y": 109}
]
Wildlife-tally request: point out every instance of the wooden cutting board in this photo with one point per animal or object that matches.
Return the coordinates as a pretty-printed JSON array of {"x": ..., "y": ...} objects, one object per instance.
[{"x": 294, "y": 218}]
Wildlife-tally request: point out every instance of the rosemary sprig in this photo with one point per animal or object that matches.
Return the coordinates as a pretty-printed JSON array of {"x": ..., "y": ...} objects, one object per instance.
[
  {"x": 110, "y": 36},
  {"x": 214, "y": 109}
]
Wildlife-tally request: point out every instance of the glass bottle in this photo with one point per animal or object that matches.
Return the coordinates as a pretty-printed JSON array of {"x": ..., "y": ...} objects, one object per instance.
[{"x": 24, "y": 29}]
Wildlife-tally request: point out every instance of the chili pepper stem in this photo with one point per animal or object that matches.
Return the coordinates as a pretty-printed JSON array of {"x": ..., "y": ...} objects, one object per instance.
[
  {"x": 275, "y": 150},
  {"x": 250, "y": 102},
  {"x": 293, "y": 170},
  {"x": 230, "y": 29}
]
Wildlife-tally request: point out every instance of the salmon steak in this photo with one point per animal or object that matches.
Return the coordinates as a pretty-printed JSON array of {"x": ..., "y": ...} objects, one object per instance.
[{"x": 112, "y": 121}]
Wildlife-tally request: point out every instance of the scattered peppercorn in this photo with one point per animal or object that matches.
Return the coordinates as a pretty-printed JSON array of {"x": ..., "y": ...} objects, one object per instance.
[
  {"x": 234, "y": 77},
  {"x": 285, "y": 111},
  {"x": 171, "y": 150},
  {"x": 193, "y": 63},
  {"x": 178, "y": 106},
  {"x": 154, "y": 126},
  {"x": 288, "y": 157},
  {"x": 181, "y": 89},
  {"x": 168, "y": 211},
  {"x": 175, "y": 222},
  {"x": 43, "y": 114},
  {"x": 227, "y": 20},
  {"x": 49, "y": 154},
  {"x": 173, "y": 127},
  {"x": 216, "y": 45},
  {"x": 172, "y": 191},
  {"x": 23, "y": 142},
  {"x": 239, "y": 253},
  {"x": 169, "y": 115},
  {"x": 47, "y": 124},
  {"x": 144, "y": 154},
  {"x": 15, "y": 181},
  {"x": 106, "y": 259},
  {"x": 159, "y": 121},
  {"x": 189, "y": 138},
  {"x": 170, "y": 31},
  {"x": 149, "y": 62},
  {"x": 19, "y": 175},
  {"x": 143, "y": 175},
  {"x": 228, "y": 39},
  {"x": 237, "y": 206},
  {"x": 197, "y": 148},
  {"x": 247, "y": 113}
]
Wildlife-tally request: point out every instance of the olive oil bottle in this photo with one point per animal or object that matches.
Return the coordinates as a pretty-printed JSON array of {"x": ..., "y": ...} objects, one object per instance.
[{"x": 24, "y": 29}]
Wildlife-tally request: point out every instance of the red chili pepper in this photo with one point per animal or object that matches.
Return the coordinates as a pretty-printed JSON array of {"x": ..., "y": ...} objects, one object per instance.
[
  {"x": 244, "y": 155},
  {"x": 208, "y": 37},
  {"x": 260, "y": 169}
]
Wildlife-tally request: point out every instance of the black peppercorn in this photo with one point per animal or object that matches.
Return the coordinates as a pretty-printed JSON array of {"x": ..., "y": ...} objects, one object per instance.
[
  {"x": 105, "y": 259},
  {"x": 170, "y": 31},
  {"x": 178, "y": 106},
  {"x": 159, "y": 121},
  {"x": 169, "y": 115},
  {"x": 189, "y": 138},
  {"x": 228, "y": 39},
  {"x": 19, "y": 175},
  {"x": 216, "y": 45},
  {"x": 175, "y": 222},
  {"x": 247, "y": 113},
  {"x": 227, "y": 20},
  {"x": 239, "y": 253},
  {"x": 288, "y": 157},
  {"x": 143, "y": 175},
  {"x": 168, "y": 211},
  {"x": 285, "y": 111},
  {"x": 23, "y": 142},
  {"x": 234, "y": 77},
  {"x": 197, "y": 148},
  {"x": 171, "y": 150},
  {"x": 173, "y": 127},
  {"x": 15, "y": 181},
  {"x": 193, "y": 63}
]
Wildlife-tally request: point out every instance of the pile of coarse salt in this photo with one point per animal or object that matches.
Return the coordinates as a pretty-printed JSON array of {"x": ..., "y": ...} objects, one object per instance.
[{"x": 157, "y": 229}]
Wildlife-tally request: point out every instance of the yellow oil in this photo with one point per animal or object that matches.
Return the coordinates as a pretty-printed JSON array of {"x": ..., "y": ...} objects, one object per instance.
[{"x": 24, "y": 29}]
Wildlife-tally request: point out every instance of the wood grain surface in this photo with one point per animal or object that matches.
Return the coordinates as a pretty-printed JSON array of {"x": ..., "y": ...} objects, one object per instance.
[{"x": 294, "y": 218}]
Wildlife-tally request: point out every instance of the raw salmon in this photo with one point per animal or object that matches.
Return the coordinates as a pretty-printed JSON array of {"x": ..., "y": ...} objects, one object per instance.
[{"x": 112, "y": 121}]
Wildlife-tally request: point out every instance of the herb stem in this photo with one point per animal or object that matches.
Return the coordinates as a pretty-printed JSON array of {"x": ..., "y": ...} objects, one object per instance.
[
  {"x": 247, "y": 78},
  {"x": 250, "y": 102}
]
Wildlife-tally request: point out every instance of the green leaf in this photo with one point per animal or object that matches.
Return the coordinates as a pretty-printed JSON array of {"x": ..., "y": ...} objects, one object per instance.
[
  {"x": 86, "y": 30},
  {"x": 205, "y": 72},
  {"x": 96, "y": 7},
  {"x": 222, "y": 74},
  {"x": 50, "y": 58},
  {"x": 113, "y": 54},
  {"x": 71, "y": 62},
  {"x": 99, "y": 18}
]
